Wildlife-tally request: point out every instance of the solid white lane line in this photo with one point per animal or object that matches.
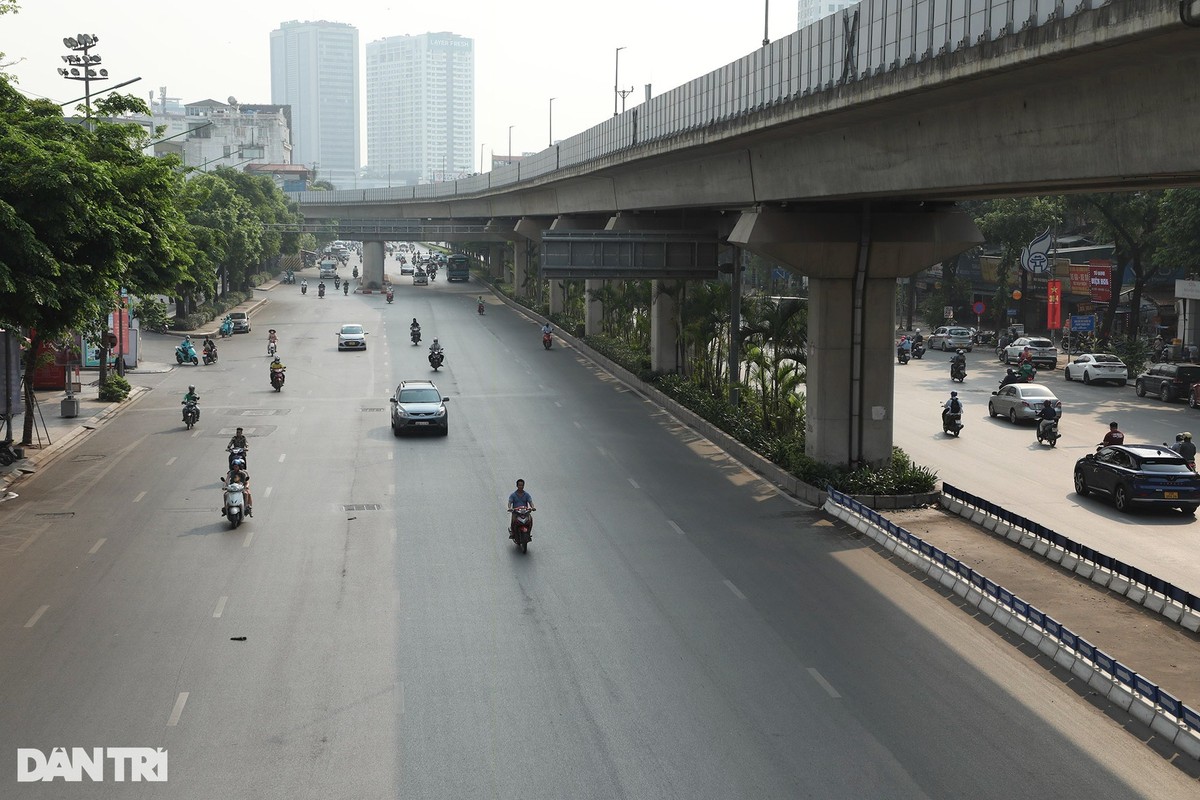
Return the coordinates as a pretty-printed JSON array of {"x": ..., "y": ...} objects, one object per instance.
[
  {"x": 173, "y": 460},
  {"x": 177, "y": 711},
  {"x": 220, "y": 607},
  {"x": 36, "y": 616},
  {"x": 281, "y": 457},
  {"x": 249, "y": 536},
  {"x": 391, "y": 455},
  {"x": 633, "y": 483},
  {"x": 267, "y": 491},
  {"x": 819, "y": 678},
  {"x": 736, "y": 592},
  {"x": 139, "y": 497},
  {"x": 96, "y": 547},
  {"x": 675, "y": 527}
]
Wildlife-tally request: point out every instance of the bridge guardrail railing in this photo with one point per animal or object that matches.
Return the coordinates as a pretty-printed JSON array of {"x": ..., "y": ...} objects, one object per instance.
[
  {"x": 1153, "y": 592},
  {"x": 1121, "y": 684}
]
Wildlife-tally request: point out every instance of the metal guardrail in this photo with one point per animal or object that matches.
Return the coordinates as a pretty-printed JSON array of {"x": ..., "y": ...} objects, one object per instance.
[
  {"x": 1119, "y": 673},
  {"x": 1115, "y": 565},
  {"x": 874, "y": 38}
]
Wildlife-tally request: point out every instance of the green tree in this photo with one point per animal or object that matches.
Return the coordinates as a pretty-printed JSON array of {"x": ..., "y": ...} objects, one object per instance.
[
  {"x": 1179, "y": 230},
  {"x": 1011, "y": 223}
]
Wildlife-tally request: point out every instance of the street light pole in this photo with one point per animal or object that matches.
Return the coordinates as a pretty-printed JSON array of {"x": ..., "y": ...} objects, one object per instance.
[
  {"x": 766, "y": 18},
  {"x": 551, "y": 144},
  {"x": 617, "y": 80},
  {"x": 510, "y": 127},
  {"x": 481, "y": 146},
  {"x": 80, "y": 67}
]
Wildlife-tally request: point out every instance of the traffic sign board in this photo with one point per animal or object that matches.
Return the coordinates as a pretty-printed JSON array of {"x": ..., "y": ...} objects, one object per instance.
[{"x": 979, "y": 308}]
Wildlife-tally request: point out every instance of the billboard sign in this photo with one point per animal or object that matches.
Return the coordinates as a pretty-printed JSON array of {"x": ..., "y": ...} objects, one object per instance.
[{"x": 1100, "y": 280}]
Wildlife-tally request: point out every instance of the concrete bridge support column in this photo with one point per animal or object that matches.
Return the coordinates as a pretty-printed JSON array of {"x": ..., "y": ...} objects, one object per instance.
[
  {"x": 496, "y": 261},
  {"x": 558, "y": 296},
  {"x": 664, "y": 340},
  {"x": 372, "y": 277},
  {"x": 853, "y": 255},
  {"x": 593, "y": 310},
  {"x": 519, "y": 263}
]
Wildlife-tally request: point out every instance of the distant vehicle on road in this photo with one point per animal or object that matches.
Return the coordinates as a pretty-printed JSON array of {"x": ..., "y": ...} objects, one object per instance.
[
  {"x": 1093, "y": 367},
  {"x": 458, "y": 268},
  {"x": 1139, "y": 474},
  {"x": 1042, "y": 351},
  {"x": 950, "y": 337},
  {"x": 1021, "y": 402}
]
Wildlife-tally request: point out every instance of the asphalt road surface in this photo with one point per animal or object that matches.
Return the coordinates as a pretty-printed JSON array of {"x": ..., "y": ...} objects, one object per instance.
[
  {"x": 1004, "y": 463},
  {"x": 677, "y": 629}
]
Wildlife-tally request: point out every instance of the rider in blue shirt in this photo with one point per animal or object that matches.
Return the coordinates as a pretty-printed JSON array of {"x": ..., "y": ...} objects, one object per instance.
[{"x": 519, "y": 498}]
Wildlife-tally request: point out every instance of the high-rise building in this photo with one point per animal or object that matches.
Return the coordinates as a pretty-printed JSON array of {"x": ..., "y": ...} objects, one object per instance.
[
  {"x": 421, "y": 107},
  {"x": 812, "y": 10},
  {"x": 314, "y": 69}
]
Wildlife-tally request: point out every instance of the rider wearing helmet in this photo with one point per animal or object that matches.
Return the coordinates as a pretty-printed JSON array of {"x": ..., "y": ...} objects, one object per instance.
[
  {"x": 1187, "y": 449},
  {"x": 192, "y": 397},
  {"x": 918, "y": 338}
]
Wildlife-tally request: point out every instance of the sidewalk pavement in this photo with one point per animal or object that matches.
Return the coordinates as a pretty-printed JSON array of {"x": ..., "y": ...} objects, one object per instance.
[{"x": 54, "y": 433}]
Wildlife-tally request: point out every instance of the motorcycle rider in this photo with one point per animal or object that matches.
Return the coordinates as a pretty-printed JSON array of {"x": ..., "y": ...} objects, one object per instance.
[
  {"x": 547, "y": 329},
  {"x": 304, "y": 286},
  {"x": 959, "y": 359},
  {"x": 276, "y": 366},
  {"x": 435, "y": 347},
  {"x": 191, "y": 397},
  {"x": 187, "y": 347},
  {"x": 1046, "y": 414},
  {"x": 346, "y": 287},
  {"x": 210, "y": 347},
  {"x": 1188, "y": 450},
  {"x": 272, "y": 339},
  {"x": 414, "y": 328},
  {"x": 1114, "y": 435},
  {"x": 479, "y": 306},
  {"x": 918, "y": 338},
  {"x": 520, "y": 497},
  {"x": 321, "y": 289},
  {"x": 951, "y": 406},
  {"x": 239, "y": 440},
  {"x": 904, "y": 347},
  {"x": 1010, "y": 377},
  {"x": 238, "y": 475}
]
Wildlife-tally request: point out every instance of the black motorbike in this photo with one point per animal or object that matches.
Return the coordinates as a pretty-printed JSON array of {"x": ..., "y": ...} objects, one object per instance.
[
  {"x": 522, "y": 527},
  {"x": 191, "y": 413},
  {"x": 902, "y": 355},
  {"x": 918, "y": 349},
  {"x": 952, "y": 422},
  {"x": 436, "y": 359},
  {"x": 958, "y": 372},
  {"x": 416, "y": 336},
  {"x": 1047, "y": 431}
]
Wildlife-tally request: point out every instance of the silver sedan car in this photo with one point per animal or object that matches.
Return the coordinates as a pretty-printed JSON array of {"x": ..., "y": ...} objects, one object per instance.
[
  {"x": 1092, "y": 367},
  {"x": 1021, "y": 401}
]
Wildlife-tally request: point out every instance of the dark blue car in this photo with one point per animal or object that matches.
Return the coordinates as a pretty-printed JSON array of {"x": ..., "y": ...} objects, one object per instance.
[{"x": 1139, "y": 474}]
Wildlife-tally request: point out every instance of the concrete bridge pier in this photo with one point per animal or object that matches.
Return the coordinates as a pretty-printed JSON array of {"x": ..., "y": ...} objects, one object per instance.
[
  {"x": 528, "y": 233},
  {"x": 664, "y": 338},
  {"x": 853, "y": 255},
  {"x": 372, "y": 274},
  {"x": 593, "y": 310},
  {"x": 558, "y": 296},
  {"x": 496, "y": 260}
]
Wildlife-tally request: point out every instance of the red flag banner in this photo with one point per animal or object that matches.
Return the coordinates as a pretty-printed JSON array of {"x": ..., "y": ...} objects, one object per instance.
[
  {"x": 1101, "y": 280},
  {"x": 1054, "y": 304}
]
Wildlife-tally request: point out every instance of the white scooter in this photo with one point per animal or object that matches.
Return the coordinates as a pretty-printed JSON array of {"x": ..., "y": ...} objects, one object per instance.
[{"x": 235, "y": 503}]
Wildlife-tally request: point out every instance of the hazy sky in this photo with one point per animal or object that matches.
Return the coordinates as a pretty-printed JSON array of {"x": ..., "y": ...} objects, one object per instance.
[{"x": 526, "y": 51}]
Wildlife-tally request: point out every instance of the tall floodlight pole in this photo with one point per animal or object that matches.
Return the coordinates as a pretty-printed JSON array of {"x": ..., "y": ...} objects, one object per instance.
[
  {"x": 481, "y": 146},
  {"x": 617, "y": 80},
  {"x": 766, "y": 19},
  {"x": 83, "y": 67},
  {"x": 551, "y": 144},
  {"x": 510, "y": 127}
]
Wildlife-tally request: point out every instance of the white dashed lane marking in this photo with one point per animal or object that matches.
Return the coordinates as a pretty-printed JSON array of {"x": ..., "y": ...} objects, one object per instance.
[
  {"x": 736, "y": 592},
  {"x": 36, "y": 616}
]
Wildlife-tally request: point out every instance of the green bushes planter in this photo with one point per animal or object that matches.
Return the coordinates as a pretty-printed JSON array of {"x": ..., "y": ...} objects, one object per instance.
[{"x": 114, "y": 389}]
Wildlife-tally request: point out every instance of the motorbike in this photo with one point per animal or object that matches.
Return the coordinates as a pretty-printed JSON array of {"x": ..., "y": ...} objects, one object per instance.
[
  {"x": 337, "y": 282},
  {"x": 346, "y": 288},
  {"x": 958, "y": 372},
  {"x": 289, "y": 277},
  {"x": 226, "y": 327},
  {"x": 1027, "y": 372},
  {"x": 191, "y": 413},
  {"x": 277, "y": 378},
  {"x": 416, "y": 336},
  {"x": 304, "y": 288},
  {"x": 390, "y": 296},
  {"x": 547, "y": 340},
  {"x": 436, "y": 358},
  {"x": 1047, "y": 431},
  {"x": 952, "y": 422},
  {"x": 235, "y": 503},
  {"x": 237, "y": 457},
  {"x": 210, "y": 355},
  {"x": 321, "y": 292},
  {"x": 522, "y": 527},
  {"x": 902, "y": 355},
  {"x": 271, "y": 347},
  {"x": 479, "y": 308},
  {"x": 185, "y": 351},
  {"x": 355, "y": 273},
  {"x": 918, "y": 349}
]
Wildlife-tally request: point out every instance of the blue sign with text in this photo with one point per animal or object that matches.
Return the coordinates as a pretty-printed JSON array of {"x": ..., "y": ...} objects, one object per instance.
[{"x": 1083, "y": 323}]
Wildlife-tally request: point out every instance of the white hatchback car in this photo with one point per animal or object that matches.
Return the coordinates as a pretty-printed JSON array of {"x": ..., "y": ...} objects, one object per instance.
[
  {"x": 352, "y": 337},
  {"x": 1092, "y": 367},
  {"x": 950, "y": 337}
]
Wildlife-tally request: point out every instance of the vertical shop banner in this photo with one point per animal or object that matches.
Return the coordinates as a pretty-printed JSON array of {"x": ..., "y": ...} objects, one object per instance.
[
  {"x": 1101, "y": 280},
  {"x": 1054, "y": 304},
  {"x": 1081, "y": 279}
]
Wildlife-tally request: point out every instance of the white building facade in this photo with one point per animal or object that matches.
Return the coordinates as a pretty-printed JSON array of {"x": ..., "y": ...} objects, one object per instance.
[
  {"x": 208, "y": 134},
  {"x": 314, "y": 69},
  {"x": 812, "y": 10},
  {"x": 420, "y": 107}
]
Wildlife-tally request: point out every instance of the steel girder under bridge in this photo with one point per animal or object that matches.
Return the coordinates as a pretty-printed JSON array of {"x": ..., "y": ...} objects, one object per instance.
[
  {"x": 636, "y": 255},
  {"x": 400, "y": 230}
]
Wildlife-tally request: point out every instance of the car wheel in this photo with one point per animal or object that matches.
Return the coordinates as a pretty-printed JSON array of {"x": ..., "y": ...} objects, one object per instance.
[
  {"x": 1121, "y": 499},
  {"x": 1087, "y": 378},
  {"x": 1012, "y": 416},
  {"x": 1164, "y": 393},
  {"x": 1189, "y": 509},
  {"x": 1081, "y": 487},
  {"x": 945, "y": 349},
  {"x": 1067, "y": 374},
  {"x": 395, "y": 432},
  {"x": 1139, "y": 388},
  {"x": 1122, "y": 383},
  {"x": 992, "y": 411}
]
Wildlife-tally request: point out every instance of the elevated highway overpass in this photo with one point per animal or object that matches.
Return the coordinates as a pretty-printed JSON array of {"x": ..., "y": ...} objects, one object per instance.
[{"x": 840, "y": 150}]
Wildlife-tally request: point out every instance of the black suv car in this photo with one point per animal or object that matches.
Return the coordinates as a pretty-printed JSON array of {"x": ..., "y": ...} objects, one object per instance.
[
  {"x": 1168, "y": 381},
  {"x": 418, "y": 405}
]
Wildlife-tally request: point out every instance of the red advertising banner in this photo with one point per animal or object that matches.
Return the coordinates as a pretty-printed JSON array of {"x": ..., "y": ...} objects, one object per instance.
[
  {"x": 1054, "y": 304},
  {"x": 1100, "y": 278},
  {"x": 1081, "y": 279}
]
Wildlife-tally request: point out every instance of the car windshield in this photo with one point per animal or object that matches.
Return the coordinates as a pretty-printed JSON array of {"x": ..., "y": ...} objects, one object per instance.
[
  {"x": 1040, "y": 343},
  {"x": 1037, "y": 391},
  {"x": 237, "y": 315},
  {"x": 347, "y": 329},
  {"x": 420, "y": 396},
  {"x": 1163, "y": 465}
]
